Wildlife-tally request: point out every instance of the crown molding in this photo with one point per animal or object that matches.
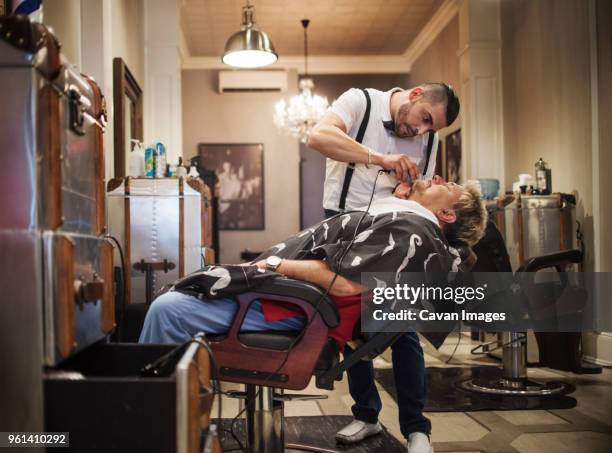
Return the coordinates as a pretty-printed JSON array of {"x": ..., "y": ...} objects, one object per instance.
[
  {"x": 183, "y": 46},
  {"x": 341, "y": 64},
  {"x": 431, "y": 30}
]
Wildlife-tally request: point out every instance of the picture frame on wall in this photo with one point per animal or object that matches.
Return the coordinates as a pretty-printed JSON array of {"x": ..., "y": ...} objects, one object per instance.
[
  {"x": 240, "y": 183},
  {"x": 453, "y": 156}
]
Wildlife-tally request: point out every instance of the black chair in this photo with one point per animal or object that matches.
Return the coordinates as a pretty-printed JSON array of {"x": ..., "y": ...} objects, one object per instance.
[{"x": 492, "y": 256}]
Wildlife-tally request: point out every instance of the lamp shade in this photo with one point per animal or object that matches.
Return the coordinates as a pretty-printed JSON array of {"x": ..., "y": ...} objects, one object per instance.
[{"x": 249, "y": 48}]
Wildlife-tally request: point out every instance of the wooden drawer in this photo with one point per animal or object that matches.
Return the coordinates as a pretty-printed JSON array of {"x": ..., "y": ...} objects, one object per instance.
[
  {"x": 101, "y": 399},
  {"x": 79, "y": 307}
]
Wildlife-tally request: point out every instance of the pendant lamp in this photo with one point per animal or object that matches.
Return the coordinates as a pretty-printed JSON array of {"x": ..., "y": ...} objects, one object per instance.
[{"x": 249, "y": 48}]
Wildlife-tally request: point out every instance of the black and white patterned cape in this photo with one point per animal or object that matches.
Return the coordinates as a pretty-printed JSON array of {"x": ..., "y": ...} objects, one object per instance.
[{"x": 391, "y": 244}]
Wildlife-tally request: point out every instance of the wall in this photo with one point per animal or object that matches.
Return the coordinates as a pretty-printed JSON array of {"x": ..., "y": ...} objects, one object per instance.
[
  {"x": 72, "y": 20},
  {"x": 162, "y": 103},
  {"x": 64, "y": 16},
  {"x": 547, "y": 105},
  {"x": 439, "y": 63},
  {"x": 211, "y": 117},
  {"x": 604, "y": 121},
  {"x": 313, "y": 163},
  {"x": 128, "y": 36}
]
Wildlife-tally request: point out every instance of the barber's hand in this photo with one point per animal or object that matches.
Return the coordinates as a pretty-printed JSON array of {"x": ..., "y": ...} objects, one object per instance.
[
  {"x": 402, "y": 165},
  {"x": 402, "y": 190}
]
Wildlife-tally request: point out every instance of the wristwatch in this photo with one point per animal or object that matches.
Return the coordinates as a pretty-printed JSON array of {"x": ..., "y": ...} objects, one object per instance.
[{"x": 272, "y": 263}]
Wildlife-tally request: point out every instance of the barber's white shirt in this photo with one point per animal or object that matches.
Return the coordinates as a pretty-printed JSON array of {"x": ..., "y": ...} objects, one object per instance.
[
  {"x": 350, "y": 107},
  {"x": 394, "y": 204}
]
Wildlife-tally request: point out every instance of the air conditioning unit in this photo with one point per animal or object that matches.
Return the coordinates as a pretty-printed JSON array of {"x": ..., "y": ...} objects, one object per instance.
[{"x": 245, "y": 81}]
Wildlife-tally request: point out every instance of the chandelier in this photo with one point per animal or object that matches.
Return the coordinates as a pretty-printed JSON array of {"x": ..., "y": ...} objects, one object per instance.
[{"x": 301, "y": 113}]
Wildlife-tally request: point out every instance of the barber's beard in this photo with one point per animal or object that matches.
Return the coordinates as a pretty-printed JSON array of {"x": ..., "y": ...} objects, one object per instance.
[
  {"x": 402, "y": 129},
  {"x": 418, "y": 187}
]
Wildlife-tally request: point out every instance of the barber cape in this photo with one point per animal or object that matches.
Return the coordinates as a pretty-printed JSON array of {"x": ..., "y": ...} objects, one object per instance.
[{"x": 392, "y": 243}]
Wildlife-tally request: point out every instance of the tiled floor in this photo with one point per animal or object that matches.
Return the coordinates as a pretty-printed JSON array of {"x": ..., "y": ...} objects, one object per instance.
[{"x": 586, "y": 428}]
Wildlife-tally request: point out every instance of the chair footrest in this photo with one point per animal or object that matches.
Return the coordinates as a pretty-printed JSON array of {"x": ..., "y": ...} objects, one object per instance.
[
  {"x": 298, "y": 397},
  {"x": 237, "y": 394}
]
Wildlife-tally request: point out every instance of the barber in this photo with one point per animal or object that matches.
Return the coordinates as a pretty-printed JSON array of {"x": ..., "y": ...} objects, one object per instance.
[{"x": 364, "y": 131}]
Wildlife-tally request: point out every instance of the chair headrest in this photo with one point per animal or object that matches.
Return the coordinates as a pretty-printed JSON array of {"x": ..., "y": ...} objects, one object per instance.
[{"x": 467, "y": 255}]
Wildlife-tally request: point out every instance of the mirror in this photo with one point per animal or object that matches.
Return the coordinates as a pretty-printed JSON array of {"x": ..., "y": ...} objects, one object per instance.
[{"x": 127, "y": 98}]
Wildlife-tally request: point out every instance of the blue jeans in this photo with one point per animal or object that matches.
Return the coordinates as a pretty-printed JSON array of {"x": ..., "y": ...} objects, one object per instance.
[
  {"x": 175, "y": 317},
  {"x": 410, "y": 383}
]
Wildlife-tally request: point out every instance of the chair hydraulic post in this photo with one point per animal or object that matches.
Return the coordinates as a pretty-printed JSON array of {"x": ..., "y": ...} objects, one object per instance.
[{"x": 514, "y": 381}]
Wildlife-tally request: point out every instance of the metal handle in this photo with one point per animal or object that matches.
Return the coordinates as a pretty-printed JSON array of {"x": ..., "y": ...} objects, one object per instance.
[
  {"x": 88, "y": 292},
  {"x": 77, "y": 118},
  {"x": 148, "y": 269}
]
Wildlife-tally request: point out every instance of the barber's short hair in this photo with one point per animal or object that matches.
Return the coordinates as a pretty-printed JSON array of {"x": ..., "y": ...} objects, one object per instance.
[
  {"x": 471, "y": 221},
  {"x": 440, "y": 92}
]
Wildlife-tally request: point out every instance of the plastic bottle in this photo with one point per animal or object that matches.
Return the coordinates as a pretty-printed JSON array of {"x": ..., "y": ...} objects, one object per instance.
[
  {"x": 160, "y": 160},
  {"x": 137, "y": 160},
  {"x": 149, "y": 162},
  {"x": 171, "y": 170}
]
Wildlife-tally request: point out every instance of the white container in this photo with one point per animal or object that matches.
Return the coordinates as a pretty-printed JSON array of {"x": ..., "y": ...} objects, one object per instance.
[{"x": 137, "y": 160}]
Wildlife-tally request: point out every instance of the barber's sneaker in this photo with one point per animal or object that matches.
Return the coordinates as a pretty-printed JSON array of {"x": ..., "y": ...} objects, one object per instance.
[
  {"x": 419, "y": 443},
  {"x": 356, "y": 431}
]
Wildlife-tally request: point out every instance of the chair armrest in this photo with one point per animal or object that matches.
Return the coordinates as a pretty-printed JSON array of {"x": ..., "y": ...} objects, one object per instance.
[
  {"x": 557, "y": 259},
  {"x": 315, "y": 296},
  {"x": 265, "y": 364}
]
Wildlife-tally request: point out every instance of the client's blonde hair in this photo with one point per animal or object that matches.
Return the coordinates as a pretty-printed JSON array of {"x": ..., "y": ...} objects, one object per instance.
[{"x": 471, "y": 214}]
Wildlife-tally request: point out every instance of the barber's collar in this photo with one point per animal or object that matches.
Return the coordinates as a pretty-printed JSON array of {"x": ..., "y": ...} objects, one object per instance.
[{"x": 391, "y": 204}]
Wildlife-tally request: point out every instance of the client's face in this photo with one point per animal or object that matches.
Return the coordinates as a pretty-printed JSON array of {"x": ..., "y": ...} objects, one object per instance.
[
  {"x": 404, "y": 189},
  {"x": 435, "y": 195}
]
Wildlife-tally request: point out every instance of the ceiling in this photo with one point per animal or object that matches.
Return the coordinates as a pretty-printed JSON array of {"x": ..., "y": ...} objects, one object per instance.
[{"x": 337, "y": 27}]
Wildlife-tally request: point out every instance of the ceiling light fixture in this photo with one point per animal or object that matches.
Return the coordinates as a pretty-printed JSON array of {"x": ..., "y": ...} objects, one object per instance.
[
  {"x": 304, "y": 110},
  {"x": 249, "y": 48}
]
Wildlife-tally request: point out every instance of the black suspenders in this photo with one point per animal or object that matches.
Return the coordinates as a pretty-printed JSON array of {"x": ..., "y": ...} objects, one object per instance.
[
  {"x": 430, "y": 142},
  {"x": 350, "y": 169}
]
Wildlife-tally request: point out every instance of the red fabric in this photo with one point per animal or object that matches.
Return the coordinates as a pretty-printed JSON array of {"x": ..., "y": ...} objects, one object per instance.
[{"x": 349, "y": 309}]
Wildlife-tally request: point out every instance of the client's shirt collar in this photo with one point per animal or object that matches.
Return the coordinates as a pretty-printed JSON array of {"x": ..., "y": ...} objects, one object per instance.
[{"x": 391, "y": 203}]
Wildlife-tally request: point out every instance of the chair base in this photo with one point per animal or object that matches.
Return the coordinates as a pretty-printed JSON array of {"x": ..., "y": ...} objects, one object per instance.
[
  {"x": 516, "y": 387},
  {"x": 302, "y": 447},
  {"x": 265, "y": 420}
]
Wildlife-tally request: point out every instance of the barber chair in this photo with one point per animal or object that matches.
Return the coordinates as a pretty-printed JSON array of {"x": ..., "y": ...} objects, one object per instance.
[
  {"x": 492, "y": 256},
  {"x": 272, "y": 361}
]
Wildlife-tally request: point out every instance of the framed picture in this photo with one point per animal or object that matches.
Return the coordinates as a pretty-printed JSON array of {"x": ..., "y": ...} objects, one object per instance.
[
  {"x": 453, "y": 157},
  {"x": 240, "y": 183}
]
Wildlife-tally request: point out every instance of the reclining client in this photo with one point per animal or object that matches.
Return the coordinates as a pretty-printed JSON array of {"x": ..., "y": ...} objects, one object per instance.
[{"x": 408, "y": 231}]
